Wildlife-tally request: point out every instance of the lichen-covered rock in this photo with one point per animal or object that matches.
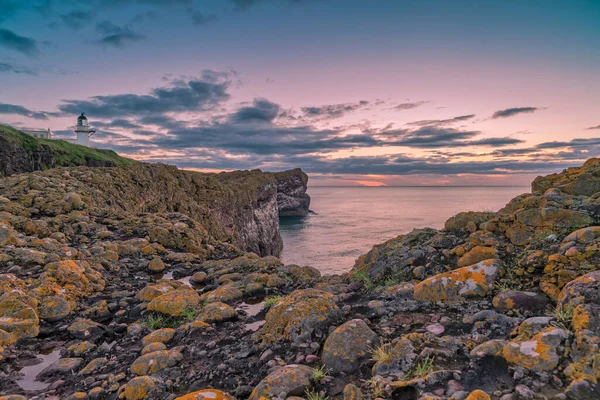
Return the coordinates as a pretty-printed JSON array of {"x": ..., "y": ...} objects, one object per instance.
[
  {"x": 540, "y": 353},
  {"x": 297, "y": 316},
  {"x": 348, "y": 346},
  {"x": 216, "y": 312},
  {"x": 585, "y": 289},
  {"x": 156, "y": 265},
  {"x": 399, "y": 257},
  {"x": 478, "y": 395},
  {"x": 139, "y": 388},
  {"x": 155, "y": 361},
  {"x": 463, "y": 283},
  {"x": 291, "y": 380},
  {"x": 477, "y": 254},
  {"x": 579, "y": 254},
  {"x": 351, "y": 392},
  {"x": 467, "y": 221},
  {"x": 93, "y": 366},
  {"x": 401, "y": 356},
  {"x": 152, "y": 291},
  {"x": 175, "y": 302},
  {"x": 85, "y": 329},
  {"x": 530, "y": 301},
  {"x": 18, "y": 317},
  {"x": 223, "y": 294},
  {"x": 163, "y": 335},
  {"x": 579, "y": 181},
  {"x": 70, "y": 279},
  {"x": 206, "y": 394},
  {"x": 54, "y": 308}
]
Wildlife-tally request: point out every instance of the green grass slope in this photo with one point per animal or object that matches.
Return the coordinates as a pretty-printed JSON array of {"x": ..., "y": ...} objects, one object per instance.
[{"x": 65, "y": 153}]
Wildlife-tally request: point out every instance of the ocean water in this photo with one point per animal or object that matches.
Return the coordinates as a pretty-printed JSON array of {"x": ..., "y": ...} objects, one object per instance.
[{"x": 348, "y": 221}]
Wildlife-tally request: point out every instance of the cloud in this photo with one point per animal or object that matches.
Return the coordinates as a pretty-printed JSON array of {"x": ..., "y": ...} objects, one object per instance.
[
  {"x": 20, "y": 110},
  {"x": 333, "y": 110},
  {"x": 509, "y": 112},
  {"x": 22, "y": 44},
  {"x": 243, "y": 5},
  {"x": 579, "y": 143},
  {"x": 425, "y": 122},
  {"x": 8, "y": 68},
  {"x": 409, "y": 106},
  {"x": 199, "y": 19},
  {"x": 116, "y": 36},
  {"x": 77, "y": 19},
  {"x": 496, "y": 142},
  {"x": 262, "y": 110},
  {"x": 180, "y": 96},
  {"x": 593, "y": 127}
]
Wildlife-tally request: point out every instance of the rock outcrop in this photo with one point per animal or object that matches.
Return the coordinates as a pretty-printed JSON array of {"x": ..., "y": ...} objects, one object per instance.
[
  {"x": 292, "y": 199},
  {"x": 130, "y": 283}
]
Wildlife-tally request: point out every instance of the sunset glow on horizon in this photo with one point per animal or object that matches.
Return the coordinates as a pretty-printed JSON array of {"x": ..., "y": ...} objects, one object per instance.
[{"x": 364, "y": 93}]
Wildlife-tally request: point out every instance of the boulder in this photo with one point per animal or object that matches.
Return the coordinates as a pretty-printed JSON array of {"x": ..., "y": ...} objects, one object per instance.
[
  {"x": 540, "y": 353},
  {"x": 206, "y": 394},
  {"x": 18, "y": 317},
  {"x": 163, "y": 335},
  {"x": 460, "y": 284},
  {"x": 216, "y": 312},
  {"x": 85, "y": 329},
  {"x": 523, "y": 301},
  {"x": 291, "y": 380},
  {"x": 155, "y": 361},
  {"x": 298, "y": 316},
  {"x": 585, "y": 289},
  {"x": 175, "y": 302},
  {"x": 348, "y": 346},
  {"x": 54, "y": 308},
  {"x": 139, "y": 388}
]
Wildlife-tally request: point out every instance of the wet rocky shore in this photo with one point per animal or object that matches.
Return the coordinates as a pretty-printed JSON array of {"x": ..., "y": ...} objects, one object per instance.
[{"x": 146, "y": 282}]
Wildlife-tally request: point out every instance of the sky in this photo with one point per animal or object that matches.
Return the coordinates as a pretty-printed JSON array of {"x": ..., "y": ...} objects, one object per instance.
[{"x": 355, "y": 92}]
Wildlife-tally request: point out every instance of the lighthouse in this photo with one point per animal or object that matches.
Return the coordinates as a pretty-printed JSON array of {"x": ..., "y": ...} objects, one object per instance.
[{"x": 83, "y": 131}]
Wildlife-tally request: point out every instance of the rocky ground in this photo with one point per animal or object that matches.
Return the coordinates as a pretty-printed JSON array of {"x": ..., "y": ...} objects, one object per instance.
[{"x": 104, "y": 298}]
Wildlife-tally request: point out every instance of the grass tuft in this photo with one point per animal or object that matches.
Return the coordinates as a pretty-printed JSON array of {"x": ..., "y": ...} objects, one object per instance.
[
  {"x": 319, "y": 373},
  {"x": 271, "y": 301},
  {"x": 313, "y": 395}
]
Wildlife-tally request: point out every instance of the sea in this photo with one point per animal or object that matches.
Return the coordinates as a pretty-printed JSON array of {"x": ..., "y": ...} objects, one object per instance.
[{"x": 347, "y": 222}]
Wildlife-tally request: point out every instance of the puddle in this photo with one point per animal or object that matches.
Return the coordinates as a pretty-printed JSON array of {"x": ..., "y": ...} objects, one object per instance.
[
  {"x": 253, "y": 306},
  {"x": 161, "y": 275},
  {"x": 186, "y": 281},
  {"x": 255, "y": 325},
  {"x": 28, "y": 382}
]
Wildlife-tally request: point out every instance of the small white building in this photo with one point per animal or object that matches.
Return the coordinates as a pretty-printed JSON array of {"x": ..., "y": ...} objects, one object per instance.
[
  {"x": 83, "y": 131},
  {"x": 38, "y": 133}
]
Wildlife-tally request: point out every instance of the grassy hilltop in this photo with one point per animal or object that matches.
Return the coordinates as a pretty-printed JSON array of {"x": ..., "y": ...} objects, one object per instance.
[{"x": 20, "y": 152}]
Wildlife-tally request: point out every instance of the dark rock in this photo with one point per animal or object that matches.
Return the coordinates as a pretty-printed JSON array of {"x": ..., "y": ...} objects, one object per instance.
[{"x": 292, "y": 199}]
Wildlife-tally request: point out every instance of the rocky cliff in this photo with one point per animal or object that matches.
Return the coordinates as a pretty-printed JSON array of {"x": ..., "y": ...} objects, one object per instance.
[
  {"x": 23, "y": 153},
  {"x": 114, "y": 285},
  {"x": 292, "y": 199}
]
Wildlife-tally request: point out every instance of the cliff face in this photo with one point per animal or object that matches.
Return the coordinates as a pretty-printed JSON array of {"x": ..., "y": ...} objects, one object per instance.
[
  {"x": 291, "y": 193},
  {"x": 15, "y": 157},
  {"x": 238, "y": 207}
]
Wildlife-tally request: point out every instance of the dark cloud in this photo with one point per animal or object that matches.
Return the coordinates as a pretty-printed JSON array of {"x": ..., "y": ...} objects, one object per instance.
[
  {"x": 22, "y": 44},
  {"x": 192, "y": 95},
  {"x": 409, "y": 106},
  {"x": 77, "y": 19},
  {"x": 449, "y": 121},
  {"x": 509, "y": 112},
  {"x": 243, "y": 5},
  {"x": 199, "y": 18},
  {"x": 8, "y": 68},
  {"x": 20, "y": 110},
  {"x": 333, "y": 110},
  {"x": 593, "y": 127},
  {"x": 262, "y": 110},
  {"x": 116, "y": 36},
  {"x": 496, "y": 142},
  {"x": 582, "y": 144},
  {"x": 512, "y": 152},
  {"x": 117, "y": 123}
]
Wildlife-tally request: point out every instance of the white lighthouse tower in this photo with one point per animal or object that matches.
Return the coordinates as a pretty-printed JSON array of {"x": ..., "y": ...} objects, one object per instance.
[{"x": 83, "y": 131}]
